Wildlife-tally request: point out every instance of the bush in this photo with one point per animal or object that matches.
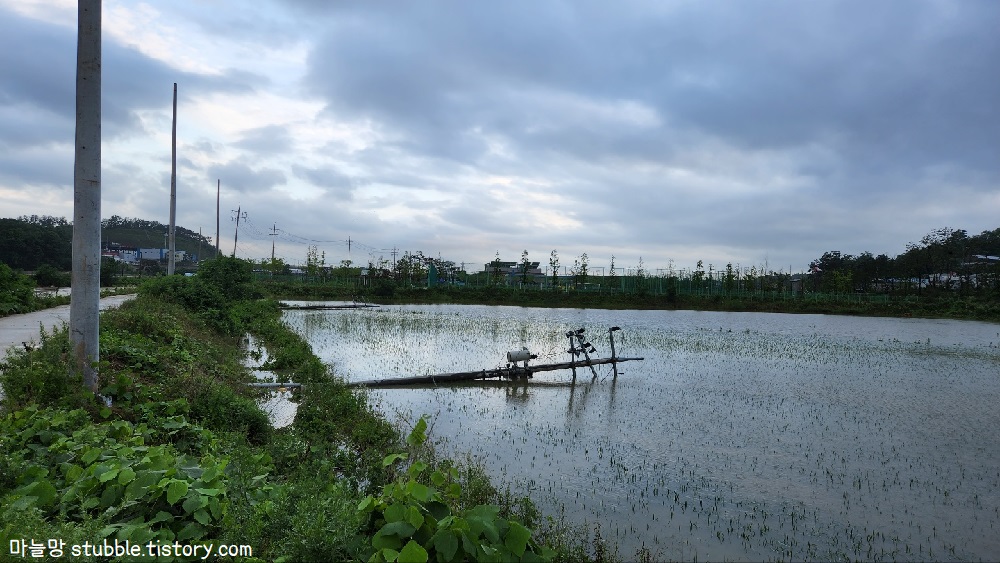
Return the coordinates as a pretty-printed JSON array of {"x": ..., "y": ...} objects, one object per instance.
[
  {"x": 219, "y": 408},
  {"x": 48, "y": 276},
  {"x": 17, "y": 292},
  {"x": 231, "y": 276},
  {"x": 43, "y": 375},
  {"x": 196, "y": 295}
]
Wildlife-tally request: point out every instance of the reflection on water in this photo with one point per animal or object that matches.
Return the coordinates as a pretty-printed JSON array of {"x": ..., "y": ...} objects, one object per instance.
[
  {"x": 742, "y": 436},
  {"x": 277, "y": 403}
]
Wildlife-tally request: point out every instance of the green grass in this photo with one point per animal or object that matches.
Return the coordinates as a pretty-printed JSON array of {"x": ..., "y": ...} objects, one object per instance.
[{"x": 984, "y": 307}]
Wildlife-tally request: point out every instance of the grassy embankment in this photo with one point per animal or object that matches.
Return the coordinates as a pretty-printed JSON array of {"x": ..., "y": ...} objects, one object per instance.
[
  {"x": 184, "y": 453},
  {"x": 943, "y": 304}
]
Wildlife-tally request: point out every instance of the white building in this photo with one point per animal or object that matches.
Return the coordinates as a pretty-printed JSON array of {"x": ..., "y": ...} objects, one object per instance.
[{"x": 160, "y": 254}]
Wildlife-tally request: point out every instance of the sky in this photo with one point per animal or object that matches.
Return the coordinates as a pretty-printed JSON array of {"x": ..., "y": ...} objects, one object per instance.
[{"x": 758, "y": 133}]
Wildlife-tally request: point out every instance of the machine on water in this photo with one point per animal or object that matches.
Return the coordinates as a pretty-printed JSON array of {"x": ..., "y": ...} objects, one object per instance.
[{"x": 578, "y": 346}]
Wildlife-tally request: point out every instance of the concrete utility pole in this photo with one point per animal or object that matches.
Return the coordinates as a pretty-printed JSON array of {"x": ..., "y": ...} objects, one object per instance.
[
  {"x": 273, "y": 233},
  {"x": 237, "y": 218},
  {"x": 173, "y": 190},
  {"x": 84, "y": 306}
]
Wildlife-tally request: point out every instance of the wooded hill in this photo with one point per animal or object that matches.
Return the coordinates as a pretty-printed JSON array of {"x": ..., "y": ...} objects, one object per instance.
[{"x": 28, "y": 242}]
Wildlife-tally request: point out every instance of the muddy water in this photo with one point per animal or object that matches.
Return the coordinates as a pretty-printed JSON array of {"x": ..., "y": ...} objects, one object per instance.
[{"x": 741, "y": 436}]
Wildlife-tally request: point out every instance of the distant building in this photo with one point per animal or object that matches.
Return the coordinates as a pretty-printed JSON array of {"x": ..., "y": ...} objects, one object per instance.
[
  {"x": 511, "y": 271},
  {"x": 161, "y": 254},
  {"x": 126, "y": 254}
]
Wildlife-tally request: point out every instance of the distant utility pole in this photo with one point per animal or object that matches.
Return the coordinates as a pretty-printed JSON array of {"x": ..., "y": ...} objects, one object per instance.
[
  {"x": 237, "y": 218},
  {"x": 218, "y": 190},
  {"x": 273, "y": 233},
  {"x": 84, "y": 324},
  {"x": 173, "y": 189}
]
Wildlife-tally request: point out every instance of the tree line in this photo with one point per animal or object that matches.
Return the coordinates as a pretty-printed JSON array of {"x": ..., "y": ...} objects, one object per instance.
[
  {"x": 944, "y": 259},
  {"x": 32, "y": 241}
]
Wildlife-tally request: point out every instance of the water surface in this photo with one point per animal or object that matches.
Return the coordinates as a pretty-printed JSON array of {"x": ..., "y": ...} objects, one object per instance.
[{"x": 742, "y": 436}]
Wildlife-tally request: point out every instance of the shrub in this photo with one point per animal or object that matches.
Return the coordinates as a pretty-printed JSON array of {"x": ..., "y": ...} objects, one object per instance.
[
  {"x": 43, "y": 375},
  {"x": 46, "y": 275},
  {"x": 218, "y": 407},
  {"x": 231, "y": 276},
  {"x": 17, "y": 292},
  {"x": 196, "y": 295}
]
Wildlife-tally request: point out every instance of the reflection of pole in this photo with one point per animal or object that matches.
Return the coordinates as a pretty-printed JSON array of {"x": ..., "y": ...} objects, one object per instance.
[
  {"x": 572, "y": 353},
  {"x": 569, "y": 407},
  {"x": 611, "y": 401},
  {"x": 614, "y": 358}
]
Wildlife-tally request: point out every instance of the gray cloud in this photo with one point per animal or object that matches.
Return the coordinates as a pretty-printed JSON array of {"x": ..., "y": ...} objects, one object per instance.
[
  {"x": 270, "y": 139},
  {"x": 681, "y": 130},
  {"x": 335, "y": 182},
  {"x": 241, "y": 177}
]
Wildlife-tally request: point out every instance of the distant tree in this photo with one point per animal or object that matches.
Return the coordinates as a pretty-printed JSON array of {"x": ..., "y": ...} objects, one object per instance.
[
  {"x": 110, "y": 272},
  {"x": 698, "y": 277},
  {"x": 312, "y": 260},
  {"x": 495, "y": 270},
  {"x": 524, "y": 266},
  {"x": 47, "y": 276},
  {"x": 750, "y": 278},
  {"x": 274, "y": 266},
  {"x": 640, "y": 276},
  {"x": 580, "y": 269},
  {"x": 554, "y": 265},
  {"x": 29, "y": 242},
  {"x": 17, "y": 292},
  {"x": 411, "y": 268}
]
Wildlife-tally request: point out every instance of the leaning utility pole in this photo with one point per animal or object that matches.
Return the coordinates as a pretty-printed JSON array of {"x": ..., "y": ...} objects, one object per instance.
[
  {"x": 84, "y": 325},
  {"x": 171, "y": 248},
  {"x": 237, "y": 218}
]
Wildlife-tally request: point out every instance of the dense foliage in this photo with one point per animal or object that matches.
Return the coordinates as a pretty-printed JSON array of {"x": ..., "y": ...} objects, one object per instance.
[
  {"x": 177, "y": 449},
  {"x": 29, "y": 242},
  {"x": 17, "y": 294},
  {"x": 944, "y": 259}
]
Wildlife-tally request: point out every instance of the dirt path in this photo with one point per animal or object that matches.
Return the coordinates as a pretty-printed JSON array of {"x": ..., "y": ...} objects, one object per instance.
[{"x": 17, "y": 329}]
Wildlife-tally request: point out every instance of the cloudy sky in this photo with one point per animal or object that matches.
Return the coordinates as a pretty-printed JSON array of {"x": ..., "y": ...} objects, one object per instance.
[{"x": 755, "y": 132}]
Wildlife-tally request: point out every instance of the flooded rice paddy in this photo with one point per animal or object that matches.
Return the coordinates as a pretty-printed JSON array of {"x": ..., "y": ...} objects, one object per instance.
[{"x": 741, "y": 436}]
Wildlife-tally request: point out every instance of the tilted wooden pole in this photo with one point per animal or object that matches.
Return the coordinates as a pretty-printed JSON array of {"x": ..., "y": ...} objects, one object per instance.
[{"x": 86, "y": 285}]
